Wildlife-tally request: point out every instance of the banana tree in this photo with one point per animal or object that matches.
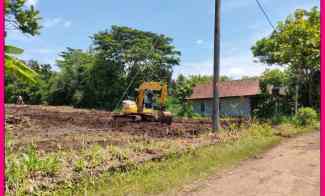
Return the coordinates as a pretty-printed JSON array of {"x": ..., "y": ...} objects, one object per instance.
[{"x": 16, "y": 67}]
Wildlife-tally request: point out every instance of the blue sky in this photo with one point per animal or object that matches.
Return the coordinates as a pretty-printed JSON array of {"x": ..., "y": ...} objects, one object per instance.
[{"x": 188, "y": 22}]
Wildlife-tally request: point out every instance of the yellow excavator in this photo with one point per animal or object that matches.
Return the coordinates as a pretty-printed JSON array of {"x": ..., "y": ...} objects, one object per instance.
[{"x": 148, "y": 106}]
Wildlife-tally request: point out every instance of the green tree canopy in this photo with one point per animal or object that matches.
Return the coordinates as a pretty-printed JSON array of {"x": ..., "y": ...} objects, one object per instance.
[
  {"x": 125, "y": 57},
  {"x": 22, "y": 18},
  {"x": 32, "y": 93},
  {"x": 274, "y": 77},
  {"x": 138, "y": 51},
  {"x": 295, "y": 43},
  {"x": 68, "y": 85},
  {"x": 118, "y": 61}
]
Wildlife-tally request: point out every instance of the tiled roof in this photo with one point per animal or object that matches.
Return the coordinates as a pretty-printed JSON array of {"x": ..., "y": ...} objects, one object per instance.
[{"x": 234, "y": 88}]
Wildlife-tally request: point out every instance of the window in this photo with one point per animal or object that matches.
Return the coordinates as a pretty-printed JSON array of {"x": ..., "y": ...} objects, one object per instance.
[{"x": 202, "y": 107}]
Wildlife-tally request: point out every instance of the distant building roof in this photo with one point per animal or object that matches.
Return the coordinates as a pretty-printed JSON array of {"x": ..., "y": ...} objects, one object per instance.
[{"x": 233, "y": 88}]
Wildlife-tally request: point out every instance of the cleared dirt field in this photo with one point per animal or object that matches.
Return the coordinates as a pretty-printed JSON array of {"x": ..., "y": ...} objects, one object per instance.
[{"x": 52, "y": 128}]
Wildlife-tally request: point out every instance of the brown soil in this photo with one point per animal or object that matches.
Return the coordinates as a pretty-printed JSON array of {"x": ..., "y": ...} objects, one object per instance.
[{"x": 52, "y": 128}]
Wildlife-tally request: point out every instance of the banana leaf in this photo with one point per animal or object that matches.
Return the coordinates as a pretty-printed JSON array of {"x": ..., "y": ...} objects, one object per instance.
[{"x": 17, "y": 68}]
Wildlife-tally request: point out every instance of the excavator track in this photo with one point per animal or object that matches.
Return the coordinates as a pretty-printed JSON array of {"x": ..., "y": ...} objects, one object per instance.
[
  {"x": 140, "y": 117},
  {"x": 145, "y": 111}
]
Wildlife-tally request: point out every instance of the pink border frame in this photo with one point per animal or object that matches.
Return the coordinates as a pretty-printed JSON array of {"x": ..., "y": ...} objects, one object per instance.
[
  {"x": 2, "y": 132},
  {"x": 322, "y": 153},
  {"x": 2, "y": 110}
]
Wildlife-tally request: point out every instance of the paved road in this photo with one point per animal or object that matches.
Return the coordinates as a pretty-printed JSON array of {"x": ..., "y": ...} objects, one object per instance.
[{"x": 290, "y": 169}]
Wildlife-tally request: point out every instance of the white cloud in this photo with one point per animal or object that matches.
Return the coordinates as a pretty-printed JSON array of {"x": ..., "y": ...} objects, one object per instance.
[
  {"x": 234, "y": 66},
  {"x": 67, "y": 24},
  {"x": 239, "y": 65},
  {"x": 29, "y": 3},
  {"x": 52, "y": 22},
  {"x": 48, "y": 23},
  {"x": 191, "y": 68},
  {"x": 236, "y": 72},
  {"x": 199, "y": 42}
]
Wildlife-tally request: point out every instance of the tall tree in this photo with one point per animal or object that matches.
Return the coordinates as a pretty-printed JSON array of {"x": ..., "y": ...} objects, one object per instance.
[
  {"x": 68, "y": 87},
  {"x": 295, "y": 43},
  {"x": 129, "y": 56}
]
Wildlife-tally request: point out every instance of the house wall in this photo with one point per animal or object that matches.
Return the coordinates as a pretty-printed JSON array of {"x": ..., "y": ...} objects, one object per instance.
[{"x": 230, "y": 106}]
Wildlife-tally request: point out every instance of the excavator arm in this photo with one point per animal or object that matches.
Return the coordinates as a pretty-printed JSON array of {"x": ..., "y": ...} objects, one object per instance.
[
  {"x": 138, "y": 112},
  {"x": 151, "y": 86}
]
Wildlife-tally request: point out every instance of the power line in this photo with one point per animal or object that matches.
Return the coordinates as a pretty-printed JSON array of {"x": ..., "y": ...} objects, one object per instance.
[
  {"x": 127, "y": 89},
  {"x": 265, "y": 14}
]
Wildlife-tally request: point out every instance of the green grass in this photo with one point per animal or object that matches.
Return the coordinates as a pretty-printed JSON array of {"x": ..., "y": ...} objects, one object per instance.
[
  {"x": 152, "y": 177},
  {"x": 28, "y": 165},
  {"x": 165, "y": 176}
]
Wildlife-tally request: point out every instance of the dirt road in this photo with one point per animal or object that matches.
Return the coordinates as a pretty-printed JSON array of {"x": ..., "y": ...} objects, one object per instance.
[{"x": 292, "y": 168}]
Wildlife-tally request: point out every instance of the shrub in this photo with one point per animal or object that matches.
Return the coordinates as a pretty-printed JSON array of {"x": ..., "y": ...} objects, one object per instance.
[
  {"x": 186, "y": 111},
  {"x": 280, "y": 119},
  {"x": 173, "y": 105},
  {"x": 305, "y": 116}
]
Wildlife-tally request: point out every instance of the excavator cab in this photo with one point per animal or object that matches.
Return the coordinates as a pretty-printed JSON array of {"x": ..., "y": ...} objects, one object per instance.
[{"x": 149, "y": 104}]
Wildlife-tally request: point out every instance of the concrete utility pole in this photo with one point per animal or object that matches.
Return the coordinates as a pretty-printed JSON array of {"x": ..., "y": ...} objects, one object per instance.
[{"x": 216, "y": 68}]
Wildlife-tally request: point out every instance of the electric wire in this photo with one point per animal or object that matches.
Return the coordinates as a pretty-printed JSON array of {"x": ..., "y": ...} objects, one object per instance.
[
  {"x": 265, "y": 14},
  {"x": 127, "y": 89}
]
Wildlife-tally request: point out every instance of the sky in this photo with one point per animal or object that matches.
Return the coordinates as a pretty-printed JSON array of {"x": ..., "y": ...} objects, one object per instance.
[{"x": 189, "y": 22}]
